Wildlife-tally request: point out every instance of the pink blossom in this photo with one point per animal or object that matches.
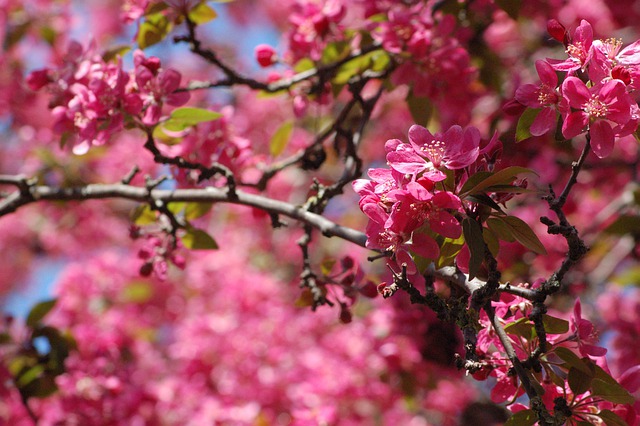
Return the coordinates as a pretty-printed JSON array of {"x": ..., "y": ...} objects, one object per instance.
[
  {"x": 579, "y": 50},
  {"x": 265, "y": 55},
  {"x": 595, "y": 109},
  {"x": 584, "y": 333},
  {"x": 454, "y": 149},
  {"x": 157, "y": 86},
  {"x": 544, "y": 96}
]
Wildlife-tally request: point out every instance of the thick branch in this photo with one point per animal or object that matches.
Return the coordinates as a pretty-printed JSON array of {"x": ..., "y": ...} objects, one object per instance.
[{"x": 104, "y": 191}]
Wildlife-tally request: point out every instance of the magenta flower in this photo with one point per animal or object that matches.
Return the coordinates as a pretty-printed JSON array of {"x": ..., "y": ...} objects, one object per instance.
[
  {"x": 453, "y": 149},
  {"x": 595, "y": 108},
  {"x": 580, "y": 50},
  {"x": 584, "y": 333},
  {"x": 157, "y": 87},
  {"x": 611, "y": 48},
  {"x": 265, "y": 55},
  {"x": 544, "y": 96},
  {"x": 416, "y": 206}
]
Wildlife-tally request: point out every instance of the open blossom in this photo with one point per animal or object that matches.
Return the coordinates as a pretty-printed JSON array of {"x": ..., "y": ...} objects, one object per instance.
[
  {"x": 596, "y": 108},
  {"x": 92, "y": 96},
  {"x": 157, "y": 86},
  {"x": 544, "y": 96},
  {"x": 579, "y": 50},
  {"x": 401, "y": 201},
  {"x": 427, "y": 153},
  {"x": 265, "y": 55},
  {"x": 585, "y": 333},
  {"x": 611, "y": 62},
  {"x": 314, "y": 24}
]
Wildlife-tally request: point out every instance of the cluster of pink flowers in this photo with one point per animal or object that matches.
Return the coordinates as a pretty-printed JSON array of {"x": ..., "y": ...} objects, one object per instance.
[
  {"x": 93, "y": 98},
  {"x": 313, "y": 25},
  {"x": 405, "y": 204},
  {"x": 432, "y": 60},
  {"x": 598, "y": 94}
]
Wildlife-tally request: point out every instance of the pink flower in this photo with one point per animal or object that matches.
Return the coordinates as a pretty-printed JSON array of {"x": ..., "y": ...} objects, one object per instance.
[
  {"x": 594, "y": 108},
  {"x": 454, "y": 149},
  {"x": 610, "y": 47},
  {"x": 544, "y": 96},
  {"x": 579, "y": 50},
  {"x": 585, "y": 333},
  {"x": 265, "y": 55},
  {"x": 157, "y": 86},
  {"x": 416, "y": 205}
]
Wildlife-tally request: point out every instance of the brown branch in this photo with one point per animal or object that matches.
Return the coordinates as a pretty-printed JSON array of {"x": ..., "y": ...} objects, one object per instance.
[
  {"x": 234, "y": 78},
  {"x": 216, "y": 195},
  {"x": 544, "y": 417}
]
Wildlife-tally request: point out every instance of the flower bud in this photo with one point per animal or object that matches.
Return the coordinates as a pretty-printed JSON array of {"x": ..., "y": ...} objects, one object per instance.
[{"x": 265, "y": 55}]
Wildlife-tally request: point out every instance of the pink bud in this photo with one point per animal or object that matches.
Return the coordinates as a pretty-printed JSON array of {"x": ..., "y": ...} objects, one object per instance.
[
  {"x": 38, "y": 79},
  {"x": 265, "y": 55},
  {"x": 557, "y": 31}
]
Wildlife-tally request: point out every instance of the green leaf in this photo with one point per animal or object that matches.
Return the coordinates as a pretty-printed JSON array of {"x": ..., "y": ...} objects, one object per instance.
[
  {"x": 42, "y": 387},
  {"x": 197, "y": 239},
  {"x": 491, "y": 240},
  {"x": 5, "y": 338},
  {"x": 381, "y": 60},
  {"x": 39, "y": 311},
  {"x": 485, "y": 200},
  {"x": 522, "y": 233},
  {"x": 522, "y": 327},
  {"x": 573, "y": 360},
  {"x": 511, "y": 189},
  {"x": 305, "y": 299},
  {"x": 522, "y": 418},
  {"x": 59, "y": 347},
  {"x": 196, "y": 210},
  {"x": 176, "y": 207},
  {"x": 335, "y": 52},
  {"x": 29, "y": 375},
  {"x": 161, "y": 135},
  {"x": 609, "y": 386},
  {"x": 612, "y": 392},
  {"x": 202, "y": 13},
  {"x": 153, "y": 30},
  {"x": 524, "y": 124},
  {"x": 376, "y": 60},
  {"x": 553, "y": 325},
  {"x": 473, "y": 237},
  {"x": 579, "y": 381},
  {"x": 553, "y": 375},
  {"x": 611, "y": 419},
  {"x": 502, "y": 177},
  {"x": 421, "y": 109},
  {"x": 327, "y": 266},
  {"x": 281, "y": 138},
  {"x": 137, "y": 292},
  {"x": 304, "y": 64},
  {"x": 500, "y": 229},
  {"x": 114, "y": 52},
  {"x": 626, "y": 224},
  {"x": 185, "y": 117},
  {"x": 143, "y": 215},
  {"x": 512, "y": 7},
  {"x": 449, "y": 250}
]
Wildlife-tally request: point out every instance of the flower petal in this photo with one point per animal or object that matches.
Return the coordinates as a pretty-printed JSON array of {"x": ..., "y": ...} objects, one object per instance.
[{"x": 602, "y": 138}]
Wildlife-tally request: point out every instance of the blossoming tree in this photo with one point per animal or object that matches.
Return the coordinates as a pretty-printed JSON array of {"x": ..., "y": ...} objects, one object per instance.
[{"x": 201, "y": 199}]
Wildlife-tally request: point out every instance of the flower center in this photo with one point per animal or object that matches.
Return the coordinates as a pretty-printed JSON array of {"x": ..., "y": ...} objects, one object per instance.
[
  {"x": 547, "y": 95},
  {"x": 577, "y": 52},
  {"x": 596, "y": 108},
  {"x": 434, "y": 151},
  {"x": 611, "y": 47}
]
